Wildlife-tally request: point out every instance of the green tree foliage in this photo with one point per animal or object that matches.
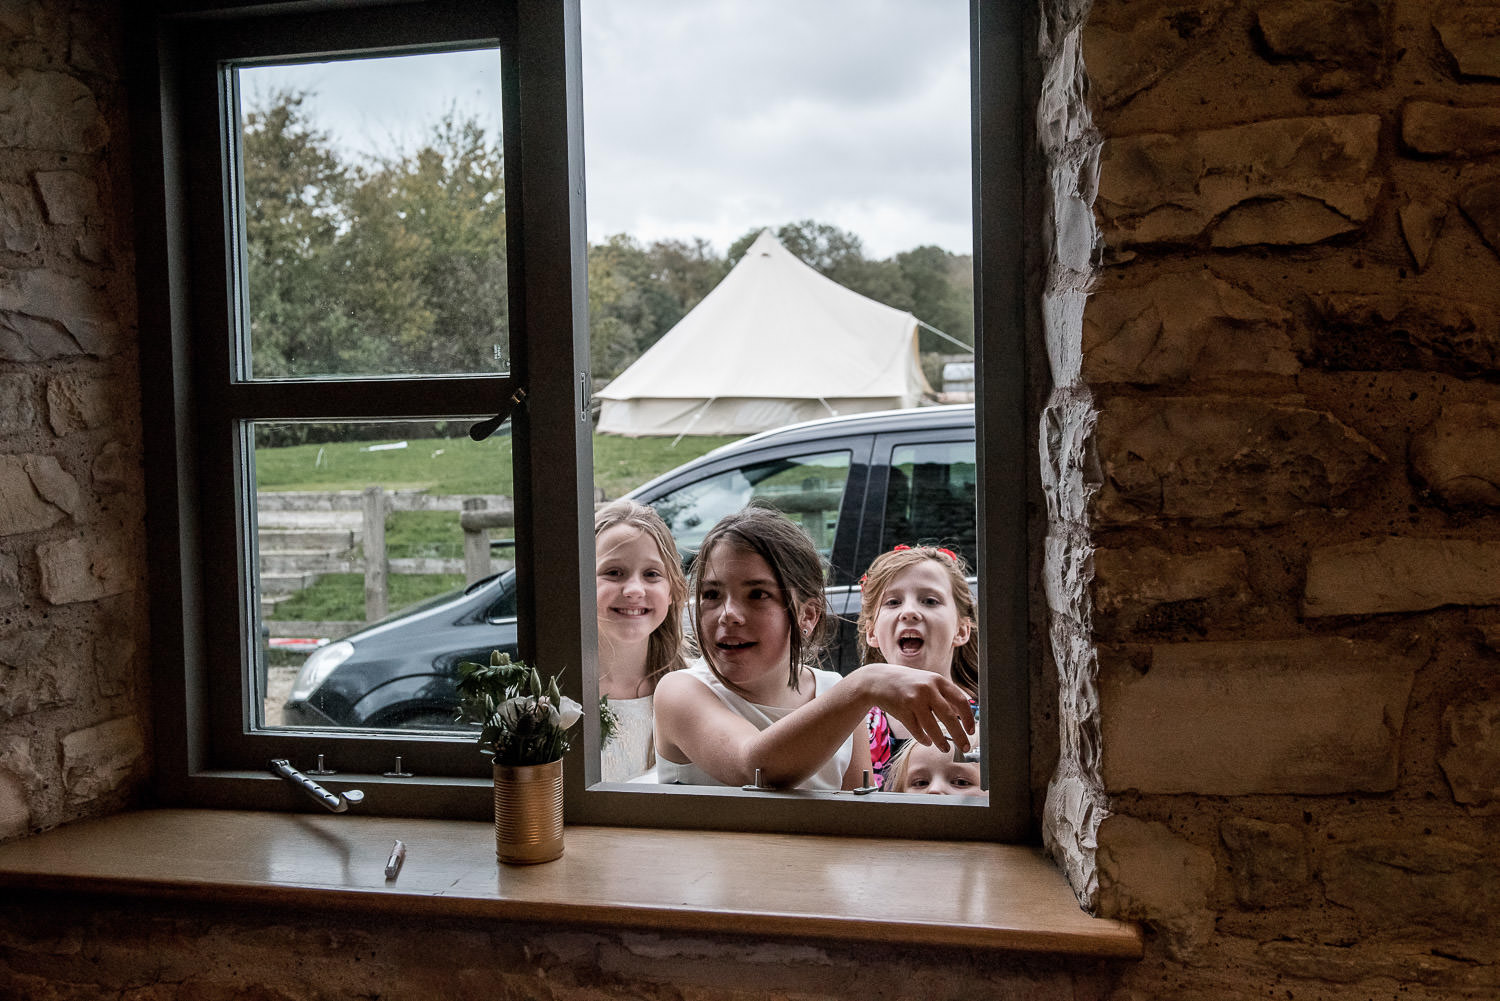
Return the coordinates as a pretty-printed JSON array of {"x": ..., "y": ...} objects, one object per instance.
[
  {"x": 638, "y": 293},
  {"x": 296, "y": 190},
  {"x": 427, "y": 243},
  {"x": 399, "y": 265}
]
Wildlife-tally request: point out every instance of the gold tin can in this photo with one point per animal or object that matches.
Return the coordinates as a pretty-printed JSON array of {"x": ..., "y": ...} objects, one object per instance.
[{"x": 529, "y": 813}]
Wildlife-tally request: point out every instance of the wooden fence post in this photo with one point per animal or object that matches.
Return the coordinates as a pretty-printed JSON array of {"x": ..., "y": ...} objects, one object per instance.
[
  {"x": 476, "y": 544},
  {"x": 377, "y": 600}
]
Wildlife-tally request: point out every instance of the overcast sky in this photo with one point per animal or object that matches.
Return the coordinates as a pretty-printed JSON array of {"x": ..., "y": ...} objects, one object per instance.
[{"x": 708, "y": 117}]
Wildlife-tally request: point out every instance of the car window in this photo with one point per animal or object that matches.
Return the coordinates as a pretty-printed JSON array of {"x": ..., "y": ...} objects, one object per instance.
[
  {"x": 504, "y": 605},
  {"x": 930, "y": 497},
  {"x": 807, "y": 488}
]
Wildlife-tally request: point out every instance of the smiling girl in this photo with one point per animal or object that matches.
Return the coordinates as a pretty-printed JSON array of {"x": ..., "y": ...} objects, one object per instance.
[
  {"x": 752, "y": 704},
  {"x": 640, "y": 590}
]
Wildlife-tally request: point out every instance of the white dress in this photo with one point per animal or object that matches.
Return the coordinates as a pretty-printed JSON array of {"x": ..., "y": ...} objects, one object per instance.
[
  {"x": 830, "y": 777},
  {"x": 632, "y": 751}
]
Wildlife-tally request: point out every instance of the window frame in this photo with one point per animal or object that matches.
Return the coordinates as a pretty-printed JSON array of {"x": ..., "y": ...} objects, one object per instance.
[{"x": 186, "y": 278}]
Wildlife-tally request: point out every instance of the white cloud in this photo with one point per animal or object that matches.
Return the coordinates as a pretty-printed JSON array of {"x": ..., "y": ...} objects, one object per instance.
[{"x": 706, "y": 118}]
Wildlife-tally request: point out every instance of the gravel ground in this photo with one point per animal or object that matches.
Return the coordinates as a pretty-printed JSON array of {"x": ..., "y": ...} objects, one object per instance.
[{"x": 278, "y": 687}]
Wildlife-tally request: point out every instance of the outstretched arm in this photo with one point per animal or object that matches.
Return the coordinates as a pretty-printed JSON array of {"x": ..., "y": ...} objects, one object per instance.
[{"x": 692, "y": 725}]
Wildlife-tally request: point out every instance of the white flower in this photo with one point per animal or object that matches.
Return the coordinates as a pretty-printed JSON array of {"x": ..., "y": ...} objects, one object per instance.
[
  {"x": 509, "y": 713},
  {"x": 564, "y": 715}
]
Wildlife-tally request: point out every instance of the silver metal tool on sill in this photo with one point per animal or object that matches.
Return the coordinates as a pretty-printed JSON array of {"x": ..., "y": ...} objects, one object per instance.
[{"x": 338, "y": 803}]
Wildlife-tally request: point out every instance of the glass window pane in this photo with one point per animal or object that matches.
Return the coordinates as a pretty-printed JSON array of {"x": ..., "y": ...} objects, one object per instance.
[
  {"x": 374, "y": 208},
  {"x": 808, "y": 488},
  {"x": 370, "y": 588},
  {"x": 930, "y": 498}
]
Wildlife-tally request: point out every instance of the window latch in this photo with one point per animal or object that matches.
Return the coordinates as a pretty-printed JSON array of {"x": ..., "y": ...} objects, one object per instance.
[
  {"x": 488, "y": 426},
  {"x": 282, "y": 768}
]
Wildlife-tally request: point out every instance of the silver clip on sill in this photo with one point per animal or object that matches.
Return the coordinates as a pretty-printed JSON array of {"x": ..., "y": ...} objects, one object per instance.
[{"x": 282, "y": 768}]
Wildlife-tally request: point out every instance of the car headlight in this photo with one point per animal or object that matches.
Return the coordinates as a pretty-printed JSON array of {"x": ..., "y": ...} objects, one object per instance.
[{"x": 318, "y": 667}]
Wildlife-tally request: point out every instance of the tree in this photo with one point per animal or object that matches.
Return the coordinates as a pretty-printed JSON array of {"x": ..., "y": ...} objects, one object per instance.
[
  {"x": 296, "y": 190},
  {"x": 637, "y": 294},
  {"x": 942, "y": 293},
  {"x": 836, "y": 254},
  {"x": 426, "y": 253}
]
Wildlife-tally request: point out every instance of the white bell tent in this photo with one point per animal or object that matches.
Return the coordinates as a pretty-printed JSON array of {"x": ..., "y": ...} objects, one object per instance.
[{"x": 774, "y": 343}]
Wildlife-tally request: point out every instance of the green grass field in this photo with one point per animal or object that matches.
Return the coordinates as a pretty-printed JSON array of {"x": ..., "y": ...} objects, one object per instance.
[
  {"x": 440, "y": 466},
  {"x": 340, "y": 597},
  {"x": 461, "y": 466}
]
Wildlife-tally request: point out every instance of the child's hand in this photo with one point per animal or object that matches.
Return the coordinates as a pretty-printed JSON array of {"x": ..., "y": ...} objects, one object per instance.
[{"x": 932, "y": 708}]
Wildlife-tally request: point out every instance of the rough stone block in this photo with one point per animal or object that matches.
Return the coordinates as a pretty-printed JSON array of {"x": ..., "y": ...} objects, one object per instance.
[
  {"x": 1152, "y": 589},
  {"x": 1470, "y": 32},
  {"x": 35, "y": 493},
  {"x": 1147, "y": 873},
  {"x": 1345, "y": 36},
  {"x": 1434, "y": 882},
  {"x": 71, "y": 198},
  {"x": 1128, "y": 57},
  {"x": 1269, "y": 861},
  {"x": 1282, "y": 182},
  {"x": 42, "y": 669},
  {"x": 1472, "y": 760},
  {"x": 1069, "y": 470},
  {"x": 1458, "y": 455},
  {"x": 18, "y": 783},
  {"x": 78, "y": 403},
  {"x": 1371, "y": 331},
  {"x": 1443, "y": 130},
  {"x": 10, "y": 580},
  {"x": 20, "y": 222},
  {"x": 46, "y": 315},
  {"x": 96, "y": 761},
  {"x": 1395, "y": 574},
  {"x": 1417, "y": 962},
  {"x": 1481, "y": 203},
  {"x": 15, "y": 810},
  {"x": 1421, "y": 222},
  {"x": 114, "y": 470},
  {"x": 49, "y": 111},
  {"x": 1180, "y": 327},
  {"x": 17, "y": 408},
  {"x": 1315, "y": 716},
  {"x": 1074, "y": 810},
  {"x": 1062, "y": 319},
  {"x": 1224, "y": 461},
  {"x": 80, "y": 569}
]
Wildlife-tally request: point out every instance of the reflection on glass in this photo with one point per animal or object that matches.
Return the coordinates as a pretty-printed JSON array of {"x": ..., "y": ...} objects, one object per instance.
[
  {"x": 840, "y": 130},
  {"x": 809, "y": 489},
  {"x": 931, "y": 496},
  {"x": 374, "y": 205},
  {"x": 370, "y": 591}
]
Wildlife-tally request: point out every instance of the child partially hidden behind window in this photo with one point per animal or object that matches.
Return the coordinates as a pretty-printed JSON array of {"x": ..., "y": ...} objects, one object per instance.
[{"x": 923, "y": 768}]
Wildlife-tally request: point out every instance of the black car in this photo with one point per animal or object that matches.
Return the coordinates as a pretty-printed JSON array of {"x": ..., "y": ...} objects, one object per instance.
[{"x": 859, "y": 485}]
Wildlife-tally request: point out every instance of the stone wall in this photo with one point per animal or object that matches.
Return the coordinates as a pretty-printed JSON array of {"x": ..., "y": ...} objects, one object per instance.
[
  {"x": 1273, "y": 472},
  {"x": 1268, "y": 237},
  {"x": 73, "y": 696}
]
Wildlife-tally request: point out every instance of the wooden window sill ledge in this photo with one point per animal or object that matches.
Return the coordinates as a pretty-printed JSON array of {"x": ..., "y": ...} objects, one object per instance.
[{"x": 967, "y": 894}]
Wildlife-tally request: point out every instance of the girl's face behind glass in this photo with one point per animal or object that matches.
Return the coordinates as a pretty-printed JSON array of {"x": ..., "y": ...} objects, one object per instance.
[
  {"x": 917, "y": 622},
  {"x": 934, "y": 772},
  {"x": 743, "y": 620},
  {"x": 632, "y": 590}
]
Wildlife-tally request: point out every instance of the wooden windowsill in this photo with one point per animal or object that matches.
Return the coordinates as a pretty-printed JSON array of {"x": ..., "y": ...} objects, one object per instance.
[{"x": 966, "y": 894}]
